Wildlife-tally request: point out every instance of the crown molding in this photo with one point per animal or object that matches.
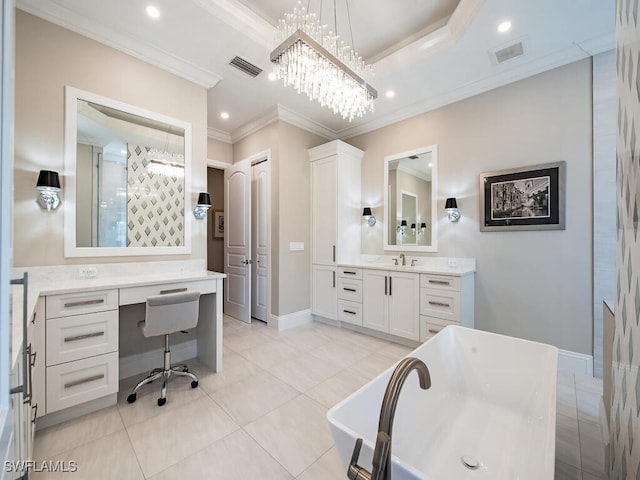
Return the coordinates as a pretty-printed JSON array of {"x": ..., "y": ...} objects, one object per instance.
[
  {"x": 500, "y": 79},
  {"x": 219, "y": 135},
  {"x": 62, "y": 16},
  {"x": 241, "y": 18},
  {"x": 279, "y": 112}
]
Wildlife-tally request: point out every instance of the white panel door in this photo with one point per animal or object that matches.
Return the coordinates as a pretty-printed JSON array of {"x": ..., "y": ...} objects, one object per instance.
[
  {"x": 260, "y": 240},
  {"x": 404, "y": 305},
  {"x": 323, "y": 209},
  {"x": 375, "y": 300},
  {"x": 237, "y": 241}
]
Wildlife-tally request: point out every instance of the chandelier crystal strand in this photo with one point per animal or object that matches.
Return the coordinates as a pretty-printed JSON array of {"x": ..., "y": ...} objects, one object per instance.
[{"x": 314, "y": 61}]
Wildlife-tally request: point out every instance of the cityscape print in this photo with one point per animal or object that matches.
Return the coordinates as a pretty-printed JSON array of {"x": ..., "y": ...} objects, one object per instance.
[{"x": 526, "y": 198}]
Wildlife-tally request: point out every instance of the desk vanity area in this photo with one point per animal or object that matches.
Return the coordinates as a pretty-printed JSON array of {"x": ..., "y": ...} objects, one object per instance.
[{"x": 76, "y": 327}]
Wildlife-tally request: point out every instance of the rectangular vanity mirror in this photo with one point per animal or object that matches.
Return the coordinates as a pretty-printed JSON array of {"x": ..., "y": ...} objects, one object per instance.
[
  {"x": 410, "y": 197},
  {"x": 127, "y": 179}
]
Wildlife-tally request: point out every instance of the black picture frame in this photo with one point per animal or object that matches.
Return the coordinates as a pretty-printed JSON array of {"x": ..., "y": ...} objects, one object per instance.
[{"x": 526, "y": 198}]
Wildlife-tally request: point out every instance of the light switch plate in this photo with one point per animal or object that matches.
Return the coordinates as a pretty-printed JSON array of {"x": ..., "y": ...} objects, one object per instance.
[{"x": 296, "y": 246}]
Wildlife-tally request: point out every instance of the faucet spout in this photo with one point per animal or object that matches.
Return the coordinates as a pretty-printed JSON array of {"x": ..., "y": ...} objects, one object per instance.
[
  {"x": 404, "y": 262},
  {"x": 382, "y": 451}
]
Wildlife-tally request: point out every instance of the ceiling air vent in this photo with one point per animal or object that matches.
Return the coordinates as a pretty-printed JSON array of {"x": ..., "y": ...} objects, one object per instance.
[
  {"x": 508, "y": 52},
  {"x": 246, "y": 67}
]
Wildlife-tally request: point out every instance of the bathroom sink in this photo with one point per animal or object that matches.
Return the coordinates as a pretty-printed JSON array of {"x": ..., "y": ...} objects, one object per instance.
[{"x": 490, "y": 412}]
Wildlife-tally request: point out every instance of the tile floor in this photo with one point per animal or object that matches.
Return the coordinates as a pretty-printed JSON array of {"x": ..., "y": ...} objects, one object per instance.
[{"x": 264, "y": 415}]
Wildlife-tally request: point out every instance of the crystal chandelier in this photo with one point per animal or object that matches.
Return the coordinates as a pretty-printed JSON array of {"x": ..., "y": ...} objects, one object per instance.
[
  {"x": 314, "y": 61},
  {"x": 163, "y": 162}
]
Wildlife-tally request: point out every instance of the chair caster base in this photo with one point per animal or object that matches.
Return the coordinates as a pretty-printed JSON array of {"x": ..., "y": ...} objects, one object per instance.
[
  {"x": 162, "y": 401},
  {"x": 194, "y": 384},
  {"x": 131, "y": 398}
]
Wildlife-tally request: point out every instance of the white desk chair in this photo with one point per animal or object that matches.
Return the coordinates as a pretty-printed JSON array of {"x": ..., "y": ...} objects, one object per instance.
[{"x": 169, "y": 313}]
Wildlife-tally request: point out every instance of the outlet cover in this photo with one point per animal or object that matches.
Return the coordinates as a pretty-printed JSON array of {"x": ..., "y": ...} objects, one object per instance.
[
  {"x": 88, "y": 271},
  {"x": 452, "y": 262}
]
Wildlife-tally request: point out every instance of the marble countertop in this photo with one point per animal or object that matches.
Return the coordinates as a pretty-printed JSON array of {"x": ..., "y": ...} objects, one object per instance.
[
  {"x": 64, "y": 279},
  {"x": 456, "y": 267}
]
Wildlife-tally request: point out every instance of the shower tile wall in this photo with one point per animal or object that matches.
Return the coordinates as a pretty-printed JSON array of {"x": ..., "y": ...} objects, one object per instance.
[
  {"x": 155, "y": 207},
  {"x": 625, "y": 402}
]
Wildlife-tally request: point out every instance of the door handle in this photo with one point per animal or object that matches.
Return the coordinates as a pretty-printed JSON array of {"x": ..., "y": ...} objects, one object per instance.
[{"x": 247, "y": 262}]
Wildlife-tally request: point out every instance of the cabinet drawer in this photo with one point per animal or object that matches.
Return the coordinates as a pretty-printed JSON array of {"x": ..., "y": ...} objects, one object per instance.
[
  {"x": 132, "y": 295},
  {"x": 440, "y": 282},
  {"x": 350, "y": 312},
  {"x": 429, "y": 326},
  {"x": 349, "y": 272},
  {"x": 350, "y": 289},
  {"x": 440, "y": 303},
  {"x": 72, "y": 383},
  {"x": 81, "y": 302},
  {"x": 81, "y": 336}
]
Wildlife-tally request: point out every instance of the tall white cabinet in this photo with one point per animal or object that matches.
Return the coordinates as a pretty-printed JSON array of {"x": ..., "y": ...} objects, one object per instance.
[{"x": 336, "y": 216}]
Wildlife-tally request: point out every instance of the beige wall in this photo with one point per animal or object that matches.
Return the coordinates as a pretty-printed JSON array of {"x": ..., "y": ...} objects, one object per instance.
[
  {"x": 48, "y": 58},
  {"x": 219, "y": 151},
  {"x": 534, "y": 285}
]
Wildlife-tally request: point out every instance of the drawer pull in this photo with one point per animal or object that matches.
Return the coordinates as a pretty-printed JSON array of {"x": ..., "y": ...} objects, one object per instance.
[
  {"x": 349, "y": 289},
  {"x": 347, "y": 272},
  {"x": 75, "y": 383},
  {"x": 35, "y": 413},
  {"x": 75, "y": 338},
  {"x": 439, "y": 304},
  {"x": 349, "y": 312},
  {"x": 173, "y": 290},
  {"x": 82, "y": 303},
  {"x": 431, "y": 330},
  {"x": 439, "y": 282}
]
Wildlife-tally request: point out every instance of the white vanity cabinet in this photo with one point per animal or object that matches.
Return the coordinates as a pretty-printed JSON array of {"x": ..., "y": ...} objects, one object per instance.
[
  {"x": 390, "y": 302},
  {"x": 81, "y": 347},
  {"x": 335, "y": 210},
  {"x": 445, "y": 300}
]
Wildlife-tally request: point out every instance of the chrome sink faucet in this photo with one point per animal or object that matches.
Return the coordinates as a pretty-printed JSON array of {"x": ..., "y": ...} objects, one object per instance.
[
  {"x": 404, "y": 262},
  {"x": 382, "y": 452}
]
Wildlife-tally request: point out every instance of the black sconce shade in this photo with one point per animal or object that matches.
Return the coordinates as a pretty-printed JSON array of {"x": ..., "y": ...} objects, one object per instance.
[
  {"x": 48, "y": 179},
  {"x": 451, "y": 203},
  {"x": 413, "y": 225},
  {"x": 204, "y": 198},
  {"x": 403, "y": 223},
  {"x": 423, "y": 225},
  {"x": 366, "y": 212}
]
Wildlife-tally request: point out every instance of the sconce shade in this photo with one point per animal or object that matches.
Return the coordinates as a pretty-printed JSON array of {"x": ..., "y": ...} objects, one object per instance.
[
  {"x": 366, "y": 212},
  {"x": 413, "y": 226},
  {"x": 423, "y": 225},
  {"x": 451, "y": 203},
  {"x": 403, "y": 223},
  {"x": 48, "y": 179},
  {"x": 204, "y": 198}
]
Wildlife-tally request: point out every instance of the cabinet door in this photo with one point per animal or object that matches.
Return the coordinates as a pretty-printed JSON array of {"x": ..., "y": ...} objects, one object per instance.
[
  {"x": 375, "y": 300},
  {"x": 37, "y": 339},
  {"x": 323, "y": 210},
  {"x": 324, "y": 299},
  {"x": 404, "y": 299}
]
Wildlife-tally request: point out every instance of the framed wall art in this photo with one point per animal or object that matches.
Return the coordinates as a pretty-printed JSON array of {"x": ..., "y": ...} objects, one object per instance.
[
  {"x": 218, "y": 224},
  {"x": 527, "y": 198}
]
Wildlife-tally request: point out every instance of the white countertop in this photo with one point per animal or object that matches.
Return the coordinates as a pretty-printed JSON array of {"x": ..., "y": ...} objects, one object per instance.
[
  {"x": 64, "y": 279},
  {"x": 456, "y": 267}
]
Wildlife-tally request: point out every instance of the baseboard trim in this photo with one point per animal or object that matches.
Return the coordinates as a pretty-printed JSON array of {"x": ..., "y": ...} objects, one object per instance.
[
  {"x": 76, "y": 411},
  {"x": 290, "y": 320},
  {"x": 574, "y": 362},
  {"x": 146, "y": 361}
]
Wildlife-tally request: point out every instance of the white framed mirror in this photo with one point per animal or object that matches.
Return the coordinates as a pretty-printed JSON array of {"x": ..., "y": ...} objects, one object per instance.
[
  {"x": 410, "y": 198},
  {"x": 127, "y": 179}
]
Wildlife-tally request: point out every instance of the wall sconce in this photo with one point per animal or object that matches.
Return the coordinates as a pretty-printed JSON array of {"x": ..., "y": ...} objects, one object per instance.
[
  {"x": 402, "y": 227},
  {"x": 451, "y": 206},
  {"x": 418, "y": 231},
  {"x": 204, "y": 204},
  {"x": 49, "y": 185},
  {"x": 371, "y": 220}
]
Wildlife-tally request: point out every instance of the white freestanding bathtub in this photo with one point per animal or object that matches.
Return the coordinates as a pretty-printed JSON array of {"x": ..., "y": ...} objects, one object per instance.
[{"x": 492, "y": 401}]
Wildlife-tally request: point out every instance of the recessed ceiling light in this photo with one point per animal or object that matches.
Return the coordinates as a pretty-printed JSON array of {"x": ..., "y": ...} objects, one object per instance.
[
  {"x": 504, "y": 26},
  {"x": 224, "y": 115},
  {"x": 272, "y": 76},
  {"x": 390, "y": 94},
  {"x": 152, "y": 11}
]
